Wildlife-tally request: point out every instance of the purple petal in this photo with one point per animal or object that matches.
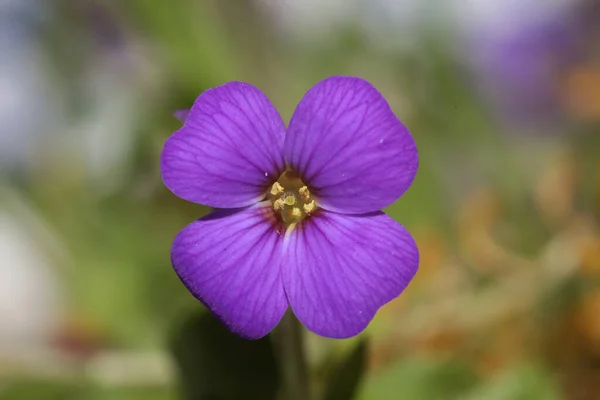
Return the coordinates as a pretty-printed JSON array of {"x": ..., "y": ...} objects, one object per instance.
[
  {"x": 230, "y": 260},
  {"x": 349, "y": 147},
  {"x": 181, "y": 114},
  {"x": 229, "y": 149},
  {"x": 340, "y": 269}
]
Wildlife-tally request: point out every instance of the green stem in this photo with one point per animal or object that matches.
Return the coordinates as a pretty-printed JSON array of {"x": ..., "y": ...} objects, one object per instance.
[{"x": 291, "y": 357}]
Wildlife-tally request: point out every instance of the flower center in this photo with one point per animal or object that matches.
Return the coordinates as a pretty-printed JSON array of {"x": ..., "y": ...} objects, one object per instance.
[{"x": 291, "y": 198}]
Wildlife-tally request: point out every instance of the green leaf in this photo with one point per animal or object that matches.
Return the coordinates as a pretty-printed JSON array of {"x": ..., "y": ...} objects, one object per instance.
[
  {"x": 26, "y": 389},
  {"x": 192, "y": 38},
  {"x": 526, "y": 382},
  {"x": 215, "y": 364},
  {"x": 346, "y": 377},
  {"x": 421, "y": 379},
  {"x": 344, "y": 381}
]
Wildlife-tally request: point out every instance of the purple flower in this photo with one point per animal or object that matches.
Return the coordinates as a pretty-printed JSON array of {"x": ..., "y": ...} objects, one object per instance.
[
  {"x": 521, "y": 67},
  {"x": 299, "y": 223},
  {"x": 519, "y": 70}
]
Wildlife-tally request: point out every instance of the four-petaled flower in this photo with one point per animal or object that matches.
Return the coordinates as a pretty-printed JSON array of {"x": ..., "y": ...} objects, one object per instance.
[{"x": 299, "y": 222}]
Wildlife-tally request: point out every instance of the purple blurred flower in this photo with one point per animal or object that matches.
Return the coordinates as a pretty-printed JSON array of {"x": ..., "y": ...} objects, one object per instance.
[
  {"x": 525, "y": 68},
  {"x": 300, "y": 223},
  {"x": 521, "y": 67}
]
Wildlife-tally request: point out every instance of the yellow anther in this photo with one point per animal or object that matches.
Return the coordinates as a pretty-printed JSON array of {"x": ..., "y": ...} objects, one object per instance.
[
  {"x": 276, "y": 189},
  {"x": 278, "y": 205},
  {"x": 289, "y": 200},
  {"x": 310, "y": 207},
  {"x": 296, "y": 213},
  {"x": 304, "y": 193}
]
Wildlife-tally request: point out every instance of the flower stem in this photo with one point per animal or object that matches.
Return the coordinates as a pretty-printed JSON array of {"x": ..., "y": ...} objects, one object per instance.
[{"x": 291, "y": 357}]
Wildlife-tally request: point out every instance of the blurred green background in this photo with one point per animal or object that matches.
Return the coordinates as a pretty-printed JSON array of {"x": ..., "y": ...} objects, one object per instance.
[{"x": 503, "y": 99}]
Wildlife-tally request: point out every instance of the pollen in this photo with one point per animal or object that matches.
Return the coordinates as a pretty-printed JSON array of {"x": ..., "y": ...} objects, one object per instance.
[
  {"x": 276, "y": 189},
  {"x": 291, "y": 198},
  {"x": 304, "y": 194},
  {"x": 278, "y": 205},
  {"x": 296, "y": 213},
  {"x": 309, "y": 208}
]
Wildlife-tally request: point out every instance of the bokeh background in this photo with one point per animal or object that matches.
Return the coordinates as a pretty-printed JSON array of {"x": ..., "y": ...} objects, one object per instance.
[{"x": 502, "y": 97}]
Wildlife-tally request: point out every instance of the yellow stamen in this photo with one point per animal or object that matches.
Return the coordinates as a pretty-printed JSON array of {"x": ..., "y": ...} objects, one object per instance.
[
  {"x": 276, "y": 189},
  {"x": 291, "y": 198},
  {"x": 296, "y": 213},
  {"x": 304, "y": 193},
  {"x": 278, "y": 205},
  {"x": 310, "y": 207}
]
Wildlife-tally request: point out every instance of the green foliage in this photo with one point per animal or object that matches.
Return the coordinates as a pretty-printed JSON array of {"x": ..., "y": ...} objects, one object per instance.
[
  {"x": 421, "y": 379},
  {"x": 344, "y": 382},
  {"x": 214, "y": 364},
  {"x": 191, "y": 39},
  {"x": 38, "y": 390},
  {"x": 524, "y": 382},
  {"x": 50, "y": 390}
]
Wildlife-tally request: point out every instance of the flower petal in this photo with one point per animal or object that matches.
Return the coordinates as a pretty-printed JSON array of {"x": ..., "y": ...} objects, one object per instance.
[
  {"x": 229, "y": 149},
  {"x": 230, "y": 260},
  {"x": 347, "y": 144},
  {"x": 340, "y": 269}
]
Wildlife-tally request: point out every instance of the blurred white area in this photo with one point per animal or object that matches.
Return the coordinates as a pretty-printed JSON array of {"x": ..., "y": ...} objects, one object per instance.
[
  {"x": 310, "y": 19},
  {"x": 29, "y": 107},
  {"x": 31, "y": 301},
  {"x": 385, "y": 23},
  {"x": 40, "y": 121},
  {"x": 103, "y": 135},
  {"x": 477, "y": 16},
  {"x": 397, "y": 24}
]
